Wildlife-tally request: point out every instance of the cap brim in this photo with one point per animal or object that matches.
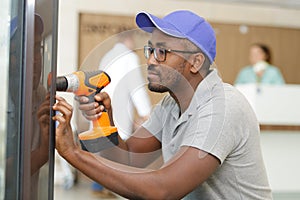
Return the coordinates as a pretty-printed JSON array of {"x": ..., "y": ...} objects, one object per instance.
[{"x": 148, "y": 22}]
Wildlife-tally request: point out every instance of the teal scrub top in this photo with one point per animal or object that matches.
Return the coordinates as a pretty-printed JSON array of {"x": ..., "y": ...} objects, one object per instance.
[{"x": 272, "y": 75}]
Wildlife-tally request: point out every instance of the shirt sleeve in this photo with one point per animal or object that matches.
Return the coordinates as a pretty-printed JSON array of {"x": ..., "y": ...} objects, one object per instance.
[
  {"x": 157, "y": 119},
  {"x": 154, "y": 124}
]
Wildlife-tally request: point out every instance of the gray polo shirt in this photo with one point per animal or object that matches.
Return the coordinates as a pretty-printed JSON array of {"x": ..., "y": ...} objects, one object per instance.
[{"x": 220, "y": 121}]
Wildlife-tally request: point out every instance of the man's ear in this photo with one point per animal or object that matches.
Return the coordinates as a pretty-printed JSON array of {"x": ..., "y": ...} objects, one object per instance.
[{"x": 198, "y": 60}]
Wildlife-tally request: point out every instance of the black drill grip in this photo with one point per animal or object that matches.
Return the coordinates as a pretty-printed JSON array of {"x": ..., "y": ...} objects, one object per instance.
[{"x": 92, "y": 99}]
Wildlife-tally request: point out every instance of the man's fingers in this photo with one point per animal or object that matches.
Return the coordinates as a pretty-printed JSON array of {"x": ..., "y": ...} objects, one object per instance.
[
  {"x": 93, "y": 110},
  {"x": 59, "y": 118},
  {"x": 44, "y": 119},
  {"x": 63, "y": 107},
  {"x": 104, "y": 98},
  {"x": 88, "y": 106},
  {"x": 101, "y": 96},
  {"x": 91, "y": 116},
  {"x": 63, "y": 102},
  {"x": 82, "y": 99}
]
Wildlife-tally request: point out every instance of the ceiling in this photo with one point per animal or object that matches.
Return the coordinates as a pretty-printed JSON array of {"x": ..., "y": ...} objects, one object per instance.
[{"x": 290, "y": 4}]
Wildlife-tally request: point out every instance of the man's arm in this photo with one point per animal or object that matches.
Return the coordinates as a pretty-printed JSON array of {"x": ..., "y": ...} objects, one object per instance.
[
  {"x": 188, "y": 169},
  {"x": 139, "y": 150},
  {"x": 39, "y": 156}
]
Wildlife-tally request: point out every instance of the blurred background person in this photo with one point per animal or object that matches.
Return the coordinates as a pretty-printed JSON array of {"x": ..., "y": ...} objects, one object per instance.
[
  {"x": 260, "y": 69},
  {"x": 126, "y": 90}
]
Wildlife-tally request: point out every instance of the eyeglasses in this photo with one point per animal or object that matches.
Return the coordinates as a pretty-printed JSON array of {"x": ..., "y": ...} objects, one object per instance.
[{"x": 160, "y": 53}]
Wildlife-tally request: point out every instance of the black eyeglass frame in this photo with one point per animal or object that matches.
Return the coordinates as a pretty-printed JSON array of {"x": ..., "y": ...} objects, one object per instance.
[{"x": 148, "y": 50}]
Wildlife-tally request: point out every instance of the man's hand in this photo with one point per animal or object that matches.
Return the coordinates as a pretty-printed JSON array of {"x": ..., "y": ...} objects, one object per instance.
[
  {"x": 93, "y": 110},
  {"x": 43, "y": 115},
  {"x": 40, "y": 155},
  {"x": 64, "y": 135}
]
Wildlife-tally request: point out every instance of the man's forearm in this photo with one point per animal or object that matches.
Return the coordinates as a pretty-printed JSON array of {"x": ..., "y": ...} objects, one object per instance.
[
  {"x": 118, "y": 153},
  {"x": 39, "y": 157},
  {"x": 123, "y": 155},
  {"x": 129, "y": 182}
]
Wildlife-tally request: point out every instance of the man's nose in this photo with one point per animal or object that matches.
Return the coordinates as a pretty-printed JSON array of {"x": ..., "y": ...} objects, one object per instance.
[{"x": 151, "y": 59}]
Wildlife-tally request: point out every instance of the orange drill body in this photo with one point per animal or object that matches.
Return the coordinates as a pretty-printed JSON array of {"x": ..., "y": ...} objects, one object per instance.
[
  {"x": 81, "y": 83},
  {"x": 90, "y": 82}
]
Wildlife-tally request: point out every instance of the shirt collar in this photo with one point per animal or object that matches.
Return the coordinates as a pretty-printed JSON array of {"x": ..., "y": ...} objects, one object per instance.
[{"x": 203, "y": 93}]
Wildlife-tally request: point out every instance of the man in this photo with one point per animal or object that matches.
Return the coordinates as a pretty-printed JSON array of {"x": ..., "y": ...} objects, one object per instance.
[{"x": 208, "y": 134}]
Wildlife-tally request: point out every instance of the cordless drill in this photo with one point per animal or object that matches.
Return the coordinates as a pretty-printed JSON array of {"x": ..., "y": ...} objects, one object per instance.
[{"x": 81, "y": 83}]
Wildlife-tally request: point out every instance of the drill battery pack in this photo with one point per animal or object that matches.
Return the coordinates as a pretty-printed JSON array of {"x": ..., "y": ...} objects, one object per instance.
[{"x": 100, "y": 143}]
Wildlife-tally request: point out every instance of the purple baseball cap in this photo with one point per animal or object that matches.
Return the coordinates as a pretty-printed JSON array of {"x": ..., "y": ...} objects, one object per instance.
[{"x": 182, "y": 24}]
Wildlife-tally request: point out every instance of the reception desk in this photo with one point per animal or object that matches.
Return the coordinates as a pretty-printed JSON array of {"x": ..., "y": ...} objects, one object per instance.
[
  {"x": 278, "y": 112},
  {"x": 274, "y": 105}
]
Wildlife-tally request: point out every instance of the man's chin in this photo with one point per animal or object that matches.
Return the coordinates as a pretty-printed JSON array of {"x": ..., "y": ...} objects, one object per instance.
[{"x": 157, "y": 88}]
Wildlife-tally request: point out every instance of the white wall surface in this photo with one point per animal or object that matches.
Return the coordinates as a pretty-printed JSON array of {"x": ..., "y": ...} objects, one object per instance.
[{"x": 281, "y": 151}]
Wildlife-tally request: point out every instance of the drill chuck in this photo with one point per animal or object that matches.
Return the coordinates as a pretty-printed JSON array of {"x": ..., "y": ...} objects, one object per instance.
[
  {"x": 61, "y": 83},
  {"x": 67, "y": 83}
]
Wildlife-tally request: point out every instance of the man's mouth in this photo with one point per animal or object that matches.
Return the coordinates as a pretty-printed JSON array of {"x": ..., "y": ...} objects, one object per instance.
[{"x": 152, "y": 74}]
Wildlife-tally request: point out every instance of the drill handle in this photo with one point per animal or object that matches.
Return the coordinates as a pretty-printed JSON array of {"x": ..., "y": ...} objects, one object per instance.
[
  {"x": 92, "y": 99},
  {"x": 103, "y": 120}
]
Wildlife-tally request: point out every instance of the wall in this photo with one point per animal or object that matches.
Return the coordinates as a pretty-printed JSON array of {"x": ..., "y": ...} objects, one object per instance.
[
  {"x": 234, "y": 41},
  {"x": 279, "y": 154}
]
